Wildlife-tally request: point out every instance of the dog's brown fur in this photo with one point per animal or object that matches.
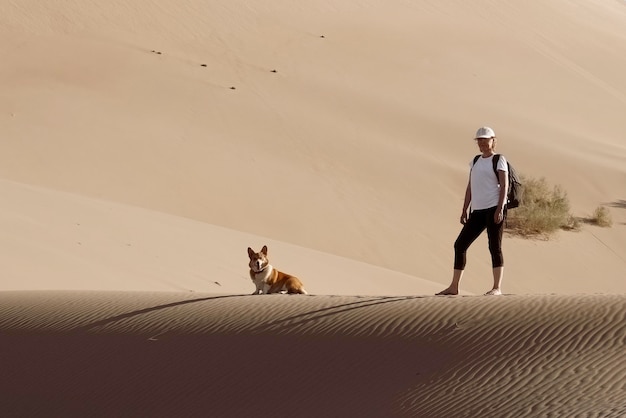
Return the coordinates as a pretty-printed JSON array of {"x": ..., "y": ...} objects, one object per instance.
[{"x": 269, "y": 280}]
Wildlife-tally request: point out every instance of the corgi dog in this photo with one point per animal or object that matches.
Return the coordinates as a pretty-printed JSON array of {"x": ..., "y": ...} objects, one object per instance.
[{"x": 269, "y": 280}]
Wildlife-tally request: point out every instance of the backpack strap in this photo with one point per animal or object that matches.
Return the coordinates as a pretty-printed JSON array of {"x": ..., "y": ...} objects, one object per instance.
[{"x": 496, "y": 158}]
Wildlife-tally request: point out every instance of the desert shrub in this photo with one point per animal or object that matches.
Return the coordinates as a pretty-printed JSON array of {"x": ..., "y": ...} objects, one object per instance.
[
  {"x": 543, "y": 210},
  {"x": 601, "y": 217},
  {"x": 573, "y": 223}
]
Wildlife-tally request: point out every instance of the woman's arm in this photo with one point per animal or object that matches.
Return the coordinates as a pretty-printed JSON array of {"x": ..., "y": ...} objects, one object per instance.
[
  {"x": 504, "y": 191},
  {"x": 466, "y": 203}
]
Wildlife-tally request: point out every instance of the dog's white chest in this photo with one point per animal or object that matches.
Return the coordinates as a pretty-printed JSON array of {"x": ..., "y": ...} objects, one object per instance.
[
  {"x": 262, "y": 276},
  {"x": 260, "y": 279}
]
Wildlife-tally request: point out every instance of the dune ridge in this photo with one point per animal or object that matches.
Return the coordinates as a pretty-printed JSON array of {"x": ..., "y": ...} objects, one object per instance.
[{"x": 163, "y": 353}]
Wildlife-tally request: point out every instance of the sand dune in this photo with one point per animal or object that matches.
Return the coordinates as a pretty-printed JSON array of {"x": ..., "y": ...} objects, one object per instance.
[
  {"x": 356, "y": 146},
  {"x": 147, "y": 143},
  {"x": 164, "y": 354}
]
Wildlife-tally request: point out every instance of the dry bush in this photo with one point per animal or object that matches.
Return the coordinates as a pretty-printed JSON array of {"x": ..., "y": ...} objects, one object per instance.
[
  {"x": 543, "y": 210},
  {"x": 601, "y": 217}
]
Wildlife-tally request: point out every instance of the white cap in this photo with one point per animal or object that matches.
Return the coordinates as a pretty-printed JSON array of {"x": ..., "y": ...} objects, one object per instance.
[{"x": 485, "y": 132}]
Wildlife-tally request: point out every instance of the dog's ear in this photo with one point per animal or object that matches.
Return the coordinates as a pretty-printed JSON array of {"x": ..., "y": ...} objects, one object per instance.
[
  {"x": 250, "y": 252},
  {"x": 264, "y": 249}
]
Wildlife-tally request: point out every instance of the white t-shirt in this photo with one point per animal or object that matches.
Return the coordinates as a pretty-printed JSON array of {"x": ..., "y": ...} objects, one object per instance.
[{"x": 484, "y": 183}]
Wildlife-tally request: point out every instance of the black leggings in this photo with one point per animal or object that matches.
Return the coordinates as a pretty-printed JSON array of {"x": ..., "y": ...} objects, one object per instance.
[{"x": 475, "y": 225}]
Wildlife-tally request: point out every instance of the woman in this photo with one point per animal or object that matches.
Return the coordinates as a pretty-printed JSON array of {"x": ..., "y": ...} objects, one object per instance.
[{"x": 487, "y": 195}]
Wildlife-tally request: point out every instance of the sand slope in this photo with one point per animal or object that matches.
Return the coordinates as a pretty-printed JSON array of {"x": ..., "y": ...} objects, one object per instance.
[
  {"x": 164, "y": 354},
  {"x": 58, "y": 241},
  {"x": 356, "y": 146}
]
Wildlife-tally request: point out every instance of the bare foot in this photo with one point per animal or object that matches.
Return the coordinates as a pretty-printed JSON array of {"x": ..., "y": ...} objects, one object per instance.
[
  {"x": 494, "y": 292},
  {"x": 448, "y": 292}
]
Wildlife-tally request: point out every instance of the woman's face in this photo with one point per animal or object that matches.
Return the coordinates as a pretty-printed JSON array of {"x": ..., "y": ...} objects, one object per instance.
[{"x": 485, "y": 144}]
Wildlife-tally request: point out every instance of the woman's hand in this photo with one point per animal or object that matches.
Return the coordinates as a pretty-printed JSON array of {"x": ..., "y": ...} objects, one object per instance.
[{"x": 498, "y": 217}]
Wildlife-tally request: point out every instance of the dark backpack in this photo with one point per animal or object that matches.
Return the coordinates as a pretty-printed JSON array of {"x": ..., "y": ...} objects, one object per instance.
[{"x": 514, "y": 195}]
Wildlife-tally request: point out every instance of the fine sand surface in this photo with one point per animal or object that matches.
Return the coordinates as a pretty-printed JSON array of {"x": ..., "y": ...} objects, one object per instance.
[
  {"x": 145, "y": 144},
  {"x": 358, "y": 145},
  {"x": 67, "y": 354}
]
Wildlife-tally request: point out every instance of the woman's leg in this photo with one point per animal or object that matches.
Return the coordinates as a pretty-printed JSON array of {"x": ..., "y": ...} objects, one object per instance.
[
  {"x": 494, "y": 234},
  {"x": 475, "y": 225}
]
